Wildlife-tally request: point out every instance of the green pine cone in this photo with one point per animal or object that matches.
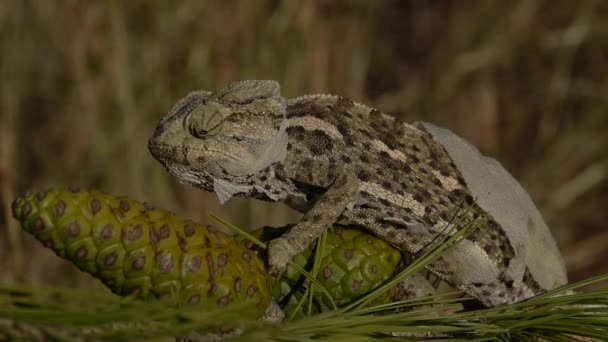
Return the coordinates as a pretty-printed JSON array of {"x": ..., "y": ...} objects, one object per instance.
[
  {"x": 135, "y": 249},
  {"x": 353, "y": 264},
  {"x": 149, "y": 253}
]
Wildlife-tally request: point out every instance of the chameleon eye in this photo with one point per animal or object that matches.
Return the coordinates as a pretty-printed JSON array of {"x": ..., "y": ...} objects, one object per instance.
[{"x": 204, "y": 122}]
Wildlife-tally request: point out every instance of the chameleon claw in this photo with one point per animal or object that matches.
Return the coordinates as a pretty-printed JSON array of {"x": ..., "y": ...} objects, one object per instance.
[{"x": 278, "y": 256}]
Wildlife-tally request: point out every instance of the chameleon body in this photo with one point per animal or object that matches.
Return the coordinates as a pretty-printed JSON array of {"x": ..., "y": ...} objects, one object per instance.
[{"x": 338, "y": 161}]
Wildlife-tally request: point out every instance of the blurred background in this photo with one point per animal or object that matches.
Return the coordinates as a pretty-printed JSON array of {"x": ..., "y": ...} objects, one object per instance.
[{"x": 83, "y": 84}]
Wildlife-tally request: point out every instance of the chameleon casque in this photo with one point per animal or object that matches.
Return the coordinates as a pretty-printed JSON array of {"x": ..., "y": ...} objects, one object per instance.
[{"x": 338, "y": 161}]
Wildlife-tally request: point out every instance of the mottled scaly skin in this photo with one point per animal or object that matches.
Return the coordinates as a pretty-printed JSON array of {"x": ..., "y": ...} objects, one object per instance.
[{"x": 338, "y": 161}]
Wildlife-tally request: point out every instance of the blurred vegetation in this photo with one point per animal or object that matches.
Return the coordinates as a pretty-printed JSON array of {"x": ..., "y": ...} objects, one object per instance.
[{"x": 84, "y": 84}]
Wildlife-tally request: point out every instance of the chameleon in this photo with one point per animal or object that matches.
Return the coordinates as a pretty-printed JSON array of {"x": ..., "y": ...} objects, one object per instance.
[{"x": 341, "y": 162}]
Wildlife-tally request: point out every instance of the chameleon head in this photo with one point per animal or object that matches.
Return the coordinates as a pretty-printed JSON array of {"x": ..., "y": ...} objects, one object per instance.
[{"x": 225, "y": 137}]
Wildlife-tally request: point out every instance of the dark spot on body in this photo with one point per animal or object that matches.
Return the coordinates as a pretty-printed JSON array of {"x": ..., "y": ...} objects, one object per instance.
[
  {"x": 375, "y": 114},
  {"x": 458, "y": 193},
  {"x": 444, "y": 171},
  {"x": 422, "y": 195},
  {"x": 364, "y": 159},
  {"x": 428, "y": 220},
  {"x": 385, "y": 156},
  {"x": 345, "y": 104},
  {"x": 489, "y": 248},
  {"x": 365, "y": 133},
  {"x": 306, "y": 164},
  {"x": 437, "y": 182},
  {"x": 365, "y": 194},
  {"x": 413, "y": 158},
  {"x": 363, "y": 175},
  {"x": 387, "y": 185},
  {"x": 251, "y": 290}
]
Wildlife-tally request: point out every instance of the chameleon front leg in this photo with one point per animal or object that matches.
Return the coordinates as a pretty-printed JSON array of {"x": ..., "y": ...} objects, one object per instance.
[{"x": 325, "y": 212}]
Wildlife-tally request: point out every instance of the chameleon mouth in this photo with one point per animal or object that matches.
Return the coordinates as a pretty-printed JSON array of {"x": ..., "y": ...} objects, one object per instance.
[{"x": 166, "y": 154}]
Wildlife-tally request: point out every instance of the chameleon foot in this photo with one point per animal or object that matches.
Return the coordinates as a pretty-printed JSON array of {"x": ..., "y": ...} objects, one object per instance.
[{"x": 280, "y": 252}]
